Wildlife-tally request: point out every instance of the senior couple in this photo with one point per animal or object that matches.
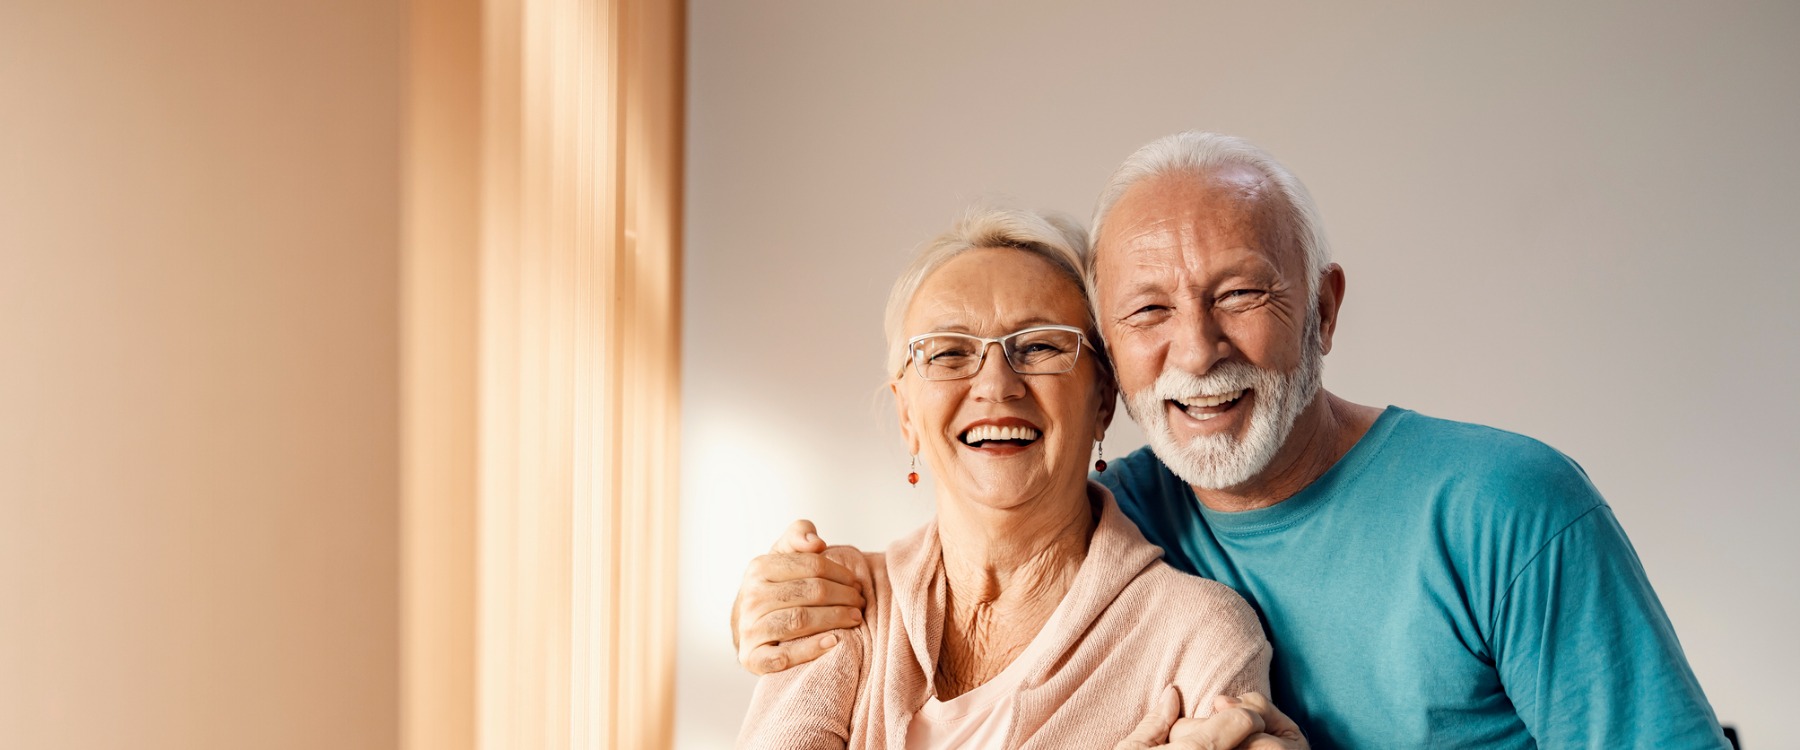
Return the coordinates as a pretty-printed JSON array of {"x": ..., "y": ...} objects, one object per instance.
[{"x": 1423, "y": 583}]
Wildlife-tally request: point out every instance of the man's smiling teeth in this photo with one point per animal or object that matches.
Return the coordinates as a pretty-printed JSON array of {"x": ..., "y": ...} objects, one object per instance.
[
  {"x": 1195, "y": 406},
  {"x": 1201, "y": 402},
  {"x": 980, "y": 433}
]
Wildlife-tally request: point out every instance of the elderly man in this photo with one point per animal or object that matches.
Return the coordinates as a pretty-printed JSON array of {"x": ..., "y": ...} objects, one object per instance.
[{"x": 1425, "y": 583}]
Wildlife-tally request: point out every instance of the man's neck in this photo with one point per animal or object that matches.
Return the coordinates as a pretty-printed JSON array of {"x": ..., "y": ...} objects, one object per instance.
[{"x": 1325, "y": 431}]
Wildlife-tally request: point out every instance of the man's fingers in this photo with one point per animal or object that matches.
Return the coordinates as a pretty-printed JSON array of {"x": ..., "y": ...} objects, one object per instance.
[
  {"x": 1229, "y": 726},
  {"x": 817, "y": 592},
  {"x": 774, "y": 657},
  {"x": 1263, "y": 741},
  {"x": 797, "y": 581},
  {"x": 760, "y": 596},
  {"x": 855, "y": 561},
  {"x": 1154, "y": 729},
  {"x": 792, "y": 623},
  {"x": 788, "y": 566},
  {"x": 800, "y": 536},
  {"x": 1253, "y": 700},
  {"x": 776, "y": 582},
  {"x": 1277, "y": 726},
  {"x": 796, "y": 574}
]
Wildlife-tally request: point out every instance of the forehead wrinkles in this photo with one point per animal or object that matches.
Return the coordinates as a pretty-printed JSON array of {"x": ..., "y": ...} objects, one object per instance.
[
  {"x": 1257, "y": 209},
  {"x": 1167, "y": 222},
  {"x": 995, "y": 287}
]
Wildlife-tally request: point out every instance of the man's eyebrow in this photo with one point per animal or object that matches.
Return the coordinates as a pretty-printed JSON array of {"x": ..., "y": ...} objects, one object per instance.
[{"x": 1142, "y": 288}]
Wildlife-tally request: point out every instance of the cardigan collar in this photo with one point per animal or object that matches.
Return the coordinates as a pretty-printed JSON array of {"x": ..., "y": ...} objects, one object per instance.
[{"x": 1117, "y": 553}]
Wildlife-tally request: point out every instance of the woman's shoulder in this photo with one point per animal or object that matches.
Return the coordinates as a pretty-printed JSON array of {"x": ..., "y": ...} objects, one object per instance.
[
  {"x": 1159, "y": 592},
  {"x": 1193, "y": 605},
  {"x": 1193, "y": 632}
]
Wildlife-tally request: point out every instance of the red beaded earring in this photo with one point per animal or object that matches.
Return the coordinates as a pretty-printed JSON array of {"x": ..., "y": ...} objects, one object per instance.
[
  {"x": 1100, "y": 464},
  {"x": 912, "y": 477}
]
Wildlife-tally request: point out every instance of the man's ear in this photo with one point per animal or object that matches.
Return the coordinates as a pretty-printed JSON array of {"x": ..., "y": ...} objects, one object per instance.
[
  {"x": 1331, "y": 297},
  {"x": 902, "y": 412}
]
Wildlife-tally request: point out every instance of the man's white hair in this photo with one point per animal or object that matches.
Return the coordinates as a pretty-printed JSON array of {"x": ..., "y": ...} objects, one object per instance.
[{"x": 1198, "y": 153}]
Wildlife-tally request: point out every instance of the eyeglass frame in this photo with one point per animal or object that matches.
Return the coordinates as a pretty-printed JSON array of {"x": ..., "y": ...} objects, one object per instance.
[{"x": 981, "y": 359}]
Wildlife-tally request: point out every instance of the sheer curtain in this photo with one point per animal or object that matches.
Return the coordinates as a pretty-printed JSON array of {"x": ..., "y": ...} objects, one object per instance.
[{"x": 543, "y": 488}]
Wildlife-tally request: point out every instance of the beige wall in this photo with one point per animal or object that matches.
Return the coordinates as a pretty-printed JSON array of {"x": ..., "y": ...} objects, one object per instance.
[
  {"x": 199, "y": 208},
  {"x": 1572, "y": 220}
]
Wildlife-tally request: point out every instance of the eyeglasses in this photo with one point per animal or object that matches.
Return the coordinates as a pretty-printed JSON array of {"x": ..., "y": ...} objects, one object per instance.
[{"x": 1040, "y": 350}]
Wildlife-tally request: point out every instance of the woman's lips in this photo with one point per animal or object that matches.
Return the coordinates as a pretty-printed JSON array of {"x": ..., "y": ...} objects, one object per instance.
[
  {"x": 1000, "y": 437},
  {"x": 999, "y": 449}
]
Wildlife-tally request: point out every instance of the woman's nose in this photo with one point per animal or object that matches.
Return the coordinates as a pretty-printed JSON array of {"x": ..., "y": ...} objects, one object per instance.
[{"x": 995, "y": 379}]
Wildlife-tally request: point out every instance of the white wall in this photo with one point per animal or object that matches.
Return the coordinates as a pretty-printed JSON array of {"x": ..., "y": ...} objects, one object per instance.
[{"x": 1574, "y": 222}]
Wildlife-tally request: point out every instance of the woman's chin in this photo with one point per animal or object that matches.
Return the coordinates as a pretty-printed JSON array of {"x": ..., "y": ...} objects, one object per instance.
[{"x": 1001, "y": 490}]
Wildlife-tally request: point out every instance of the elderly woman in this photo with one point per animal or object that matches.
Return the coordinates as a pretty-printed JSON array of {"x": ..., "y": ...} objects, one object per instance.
[{"x": 1030, "y": 612}]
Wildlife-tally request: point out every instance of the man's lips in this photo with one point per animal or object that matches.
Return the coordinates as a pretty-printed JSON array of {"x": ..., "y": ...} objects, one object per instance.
[{"x": 1208, "y": 406}]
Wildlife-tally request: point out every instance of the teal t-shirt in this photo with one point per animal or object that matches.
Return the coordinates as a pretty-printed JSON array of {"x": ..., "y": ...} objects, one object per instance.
[{"x": 1445, "y": 585}]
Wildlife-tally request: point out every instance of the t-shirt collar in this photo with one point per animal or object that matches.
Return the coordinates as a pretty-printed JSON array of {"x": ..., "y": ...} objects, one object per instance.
[{"x": 1308, "y": 500}]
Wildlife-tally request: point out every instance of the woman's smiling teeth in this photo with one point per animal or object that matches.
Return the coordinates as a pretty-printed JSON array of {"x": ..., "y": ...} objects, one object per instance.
[
  {"x": 1203, "y": 407},
  {"x": 982, "y": 433}
]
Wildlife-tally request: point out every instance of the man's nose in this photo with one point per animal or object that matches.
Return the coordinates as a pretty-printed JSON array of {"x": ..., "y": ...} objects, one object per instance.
[
  {"x": 995, "y": 379},
  {"x": 1199, "y": 341}
]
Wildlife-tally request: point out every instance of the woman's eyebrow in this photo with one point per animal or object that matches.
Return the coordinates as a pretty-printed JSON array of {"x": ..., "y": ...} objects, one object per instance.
[{"x": 1015, "y": 325}]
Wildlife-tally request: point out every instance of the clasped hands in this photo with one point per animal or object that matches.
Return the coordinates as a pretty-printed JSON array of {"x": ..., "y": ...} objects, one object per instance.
[
  {"x": 793, "y": 597},
  {"x": 1244, "y": 722}
]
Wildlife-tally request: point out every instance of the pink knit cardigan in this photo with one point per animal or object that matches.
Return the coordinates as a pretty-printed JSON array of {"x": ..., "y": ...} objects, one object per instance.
[{"x": 1133, "y": 626}]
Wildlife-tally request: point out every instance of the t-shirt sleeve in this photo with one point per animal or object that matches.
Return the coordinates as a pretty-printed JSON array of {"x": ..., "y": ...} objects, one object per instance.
[
  {"x": 808, "y": 706},
  {"x": 1587, "y": 654}
]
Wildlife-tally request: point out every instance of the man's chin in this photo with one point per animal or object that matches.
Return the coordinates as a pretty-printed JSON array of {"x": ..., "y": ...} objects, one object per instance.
[
  {"x": 1216, "y": 474},
  {"x": 1207, "y": 462}
]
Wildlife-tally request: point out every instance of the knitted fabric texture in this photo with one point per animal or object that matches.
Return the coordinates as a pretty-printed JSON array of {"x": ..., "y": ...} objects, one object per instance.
[{"x": 1134, "y": 625}]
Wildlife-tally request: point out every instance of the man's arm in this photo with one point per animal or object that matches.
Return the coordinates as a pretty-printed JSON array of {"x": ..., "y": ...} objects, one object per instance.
[
  {"x": 801, "y": 589},
  {"x": 811, "y": 706},
  {"x": 1587, "y": 654}
]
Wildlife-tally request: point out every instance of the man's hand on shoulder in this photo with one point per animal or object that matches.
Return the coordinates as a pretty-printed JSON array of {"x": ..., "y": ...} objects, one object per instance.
[
  {"x": 801, "y": 589},
  {"x": 1246, "y": 722}
]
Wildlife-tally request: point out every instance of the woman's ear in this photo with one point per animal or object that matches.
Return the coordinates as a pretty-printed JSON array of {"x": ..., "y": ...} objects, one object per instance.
[
  {"x": 902, "y": 411},
  {"x": 1109, "y": 402}
]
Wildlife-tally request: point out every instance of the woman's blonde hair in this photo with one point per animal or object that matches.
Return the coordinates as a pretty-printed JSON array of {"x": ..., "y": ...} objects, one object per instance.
[{"x": 1051, "y": 236}]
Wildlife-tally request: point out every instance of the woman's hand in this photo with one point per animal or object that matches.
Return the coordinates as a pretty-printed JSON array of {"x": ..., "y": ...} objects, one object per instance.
[
  {"x": 790, "y": 596},
  {"x": 1247, "y": 722}
]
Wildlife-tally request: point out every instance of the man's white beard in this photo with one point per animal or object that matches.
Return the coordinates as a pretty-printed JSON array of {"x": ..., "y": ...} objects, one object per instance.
[{"x": 1217, "y": 462}]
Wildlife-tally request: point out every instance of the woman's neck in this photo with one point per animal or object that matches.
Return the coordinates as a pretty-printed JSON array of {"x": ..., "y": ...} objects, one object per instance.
[
  {"x": 1007, "y": 570},
  {"x": 1002, "y": 555}
]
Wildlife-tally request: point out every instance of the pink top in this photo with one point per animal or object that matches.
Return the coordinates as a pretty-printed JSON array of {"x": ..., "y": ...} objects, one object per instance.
[{"x": 1128, "y": 626}]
